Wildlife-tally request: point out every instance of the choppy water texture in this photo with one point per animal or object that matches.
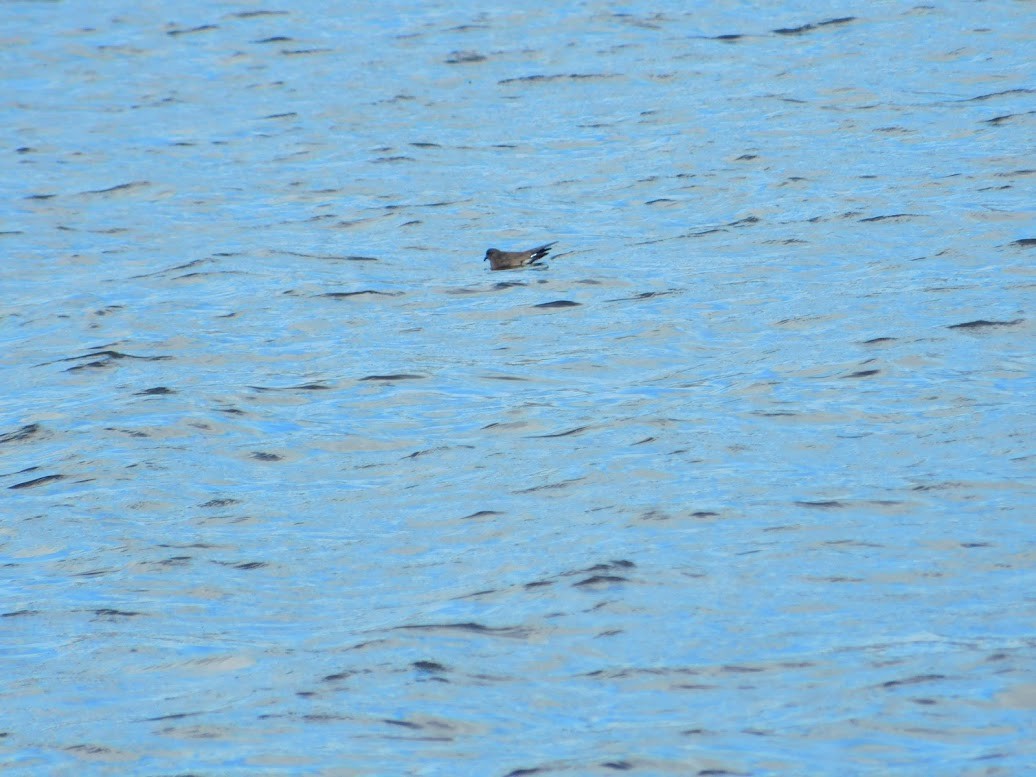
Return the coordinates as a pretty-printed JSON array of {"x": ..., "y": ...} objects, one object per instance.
[{"x": 740, "y": 483}]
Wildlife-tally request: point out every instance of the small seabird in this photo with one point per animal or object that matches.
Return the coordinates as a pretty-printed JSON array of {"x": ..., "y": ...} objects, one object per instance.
[{"x": 509, "y": 260}]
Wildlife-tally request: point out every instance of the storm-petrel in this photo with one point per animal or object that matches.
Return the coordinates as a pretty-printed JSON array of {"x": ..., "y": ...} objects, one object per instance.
[{"x": 509, "y": 260}]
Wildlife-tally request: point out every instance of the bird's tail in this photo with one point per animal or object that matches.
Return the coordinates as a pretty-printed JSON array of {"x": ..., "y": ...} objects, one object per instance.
[{"x": 542, "y": 251}]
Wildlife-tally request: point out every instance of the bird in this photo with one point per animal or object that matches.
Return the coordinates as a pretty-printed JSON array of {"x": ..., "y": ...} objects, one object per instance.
[{"x": 510, "y": 260}]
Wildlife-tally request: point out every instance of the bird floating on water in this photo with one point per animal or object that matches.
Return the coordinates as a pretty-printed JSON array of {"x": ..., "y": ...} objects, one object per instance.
[{"x": 510, "y": 260}]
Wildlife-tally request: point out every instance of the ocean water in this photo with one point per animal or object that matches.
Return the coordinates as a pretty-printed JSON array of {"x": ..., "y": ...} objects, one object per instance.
[{"x": 739, "y": 482}]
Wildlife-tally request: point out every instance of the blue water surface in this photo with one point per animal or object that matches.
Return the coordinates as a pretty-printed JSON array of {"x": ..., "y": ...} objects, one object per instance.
[{"x": 739, "y": 482}]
